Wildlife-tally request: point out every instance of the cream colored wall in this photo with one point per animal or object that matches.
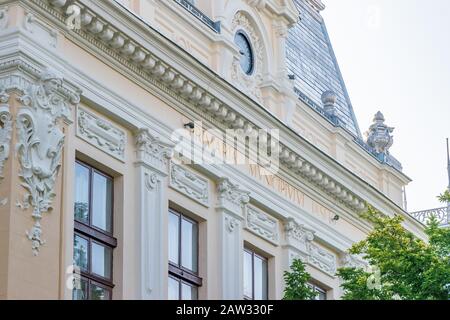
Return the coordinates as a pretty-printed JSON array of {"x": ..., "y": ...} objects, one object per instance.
[
  {"x": 25, "y": 276},
  {"x": 202, "y": 45}
]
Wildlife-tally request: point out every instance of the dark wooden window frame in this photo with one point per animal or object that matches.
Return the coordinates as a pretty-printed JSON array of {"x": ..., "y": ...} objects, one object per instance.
[
  {"x": 94, "y": 234},
  {"x": 318, "y": 289},
  {"x": 177, "y": 271},
  {"x": 254, "y": 254}
]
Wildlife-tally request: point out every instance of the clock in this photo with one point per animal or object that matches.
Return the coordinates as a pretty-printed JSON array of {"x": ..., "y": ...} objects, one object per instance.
[{"x": 246, "y": 52}]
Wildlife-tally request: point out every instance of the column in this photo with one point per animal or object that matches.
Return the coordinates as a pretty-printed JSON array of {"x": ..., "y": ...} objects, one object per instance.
[
  {"x": 152, "y": 168},
  {"x": 231, "y": 206}
]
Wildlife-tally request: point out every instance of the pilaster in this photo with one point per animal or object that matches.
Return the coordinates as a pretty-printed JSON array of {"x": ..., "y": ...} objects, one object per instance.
[
  {"x": 152, "y": 169},
  {"x": 231, "y": 205}
]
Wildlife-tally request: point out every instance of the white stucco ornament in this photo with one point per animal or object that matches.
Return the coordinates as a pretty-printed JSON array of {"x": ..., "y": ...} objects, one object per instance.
[
  {"x": 379, "y": 136},
  {"x": 5, "y": 132},
  {"x": 39, "y": 146},
  {"x": 249, "y": 83}
]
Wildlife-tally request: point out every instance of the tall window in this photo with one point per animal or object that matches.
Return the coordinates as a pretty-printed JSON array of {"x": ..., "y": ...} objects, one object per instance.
[
  {"x": 255, "y": 276},
  {"x": 321, "y": 294},
  {"x": 93, "y": 236},
  {"x": 183, "y": 258}
]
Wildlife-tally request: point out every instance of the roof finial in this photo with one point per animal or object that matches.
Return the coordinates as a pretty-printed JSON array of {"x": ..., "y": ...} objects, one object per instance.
[{"x": 379, "y": 136}]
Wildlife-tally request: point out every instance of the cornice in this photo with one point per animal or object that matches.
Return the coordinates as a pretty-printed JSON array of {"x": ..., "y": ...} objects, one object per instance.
[{"x": 130, "y": 45}]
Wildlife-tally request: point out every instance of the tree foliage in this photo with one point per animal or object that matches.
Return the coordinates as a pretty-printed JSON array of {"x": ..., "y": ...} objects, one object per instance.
[
  {"x": 296, "y": 281},
  {"x": 402, "y": 266}
]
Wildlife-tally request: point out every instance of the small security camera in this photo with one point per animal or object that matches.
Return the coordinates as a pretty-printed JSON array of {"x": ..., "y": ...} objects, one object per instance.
[{"x": 189, "y": 125}]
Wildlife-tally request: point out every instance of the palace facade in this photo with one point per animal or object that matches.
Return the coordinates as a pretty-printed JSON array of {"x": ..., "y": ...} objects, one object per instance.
[{"x": 174, "y": 149}]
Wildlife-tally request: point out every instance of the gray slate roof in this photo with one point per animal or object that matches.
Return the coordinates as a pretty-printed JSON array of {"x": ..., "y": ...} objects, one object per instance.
[{"x": 311, "y": 59}]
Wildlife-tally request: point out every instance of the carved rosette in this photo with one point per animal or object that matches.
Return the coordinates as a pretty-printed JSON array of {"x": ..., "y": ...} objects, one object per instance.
[
  {"x": 39, "y": 146},
  {"x": 249, "y": 83}
]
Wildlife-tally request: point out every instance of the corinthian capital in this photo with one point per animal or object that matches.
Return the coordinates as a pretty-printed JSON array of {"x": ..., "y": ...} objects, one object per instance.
[
  {"x": 231, "y": 197},
  {"x": 152, "y": 151}
]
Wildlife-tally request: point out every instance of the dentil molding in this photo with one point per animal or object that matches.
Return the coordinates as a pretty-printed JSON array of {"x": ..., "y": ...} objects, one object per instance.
[
  {"x": 126, "y": 50},
  {"x": 101, "y": 133},
  {"x": 39, "y": 146}
]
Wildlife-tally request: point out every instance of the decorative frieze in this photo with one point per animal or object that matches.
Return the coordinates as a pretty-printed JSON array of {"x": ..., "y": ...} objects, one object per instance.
[
  {"x": 322, "y": 259},
  {"x": 190, "y": 184},
  {"x": 350, "y": 261},
  {"x": 101, "y": 133},
  {"x": 39, "y": 146},
  {"x": 262, "y": 224},
  {"x": 139, "y": 59}
]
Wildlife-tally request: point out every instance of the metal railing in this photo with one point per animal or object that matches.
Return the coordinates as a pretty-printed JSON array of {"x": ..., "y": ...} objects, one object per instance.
[
  {"x": 213, "y": 25},
  {"x": 441, "y": 214}
]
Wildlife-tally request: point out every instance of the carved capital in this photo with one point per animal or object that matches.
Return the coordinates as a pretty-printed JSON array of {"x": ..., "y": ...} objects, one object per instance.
[
  {"x": 231, "y": 197},
  {"x": 153, "y": 152},
  {"x": 40, "y": 141},
  {"x": 297, "y": 235}
]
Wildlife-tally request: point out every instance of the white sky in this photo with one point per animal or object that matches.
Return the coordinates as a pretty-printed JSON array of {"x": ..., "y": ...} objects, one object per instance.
[{"x": 395, "y": 57}]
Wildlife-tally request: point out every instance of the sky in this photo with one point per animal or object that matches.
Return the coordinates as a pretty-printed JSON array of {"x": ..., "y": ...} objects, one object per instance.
[{"x": 395, "y": 57}]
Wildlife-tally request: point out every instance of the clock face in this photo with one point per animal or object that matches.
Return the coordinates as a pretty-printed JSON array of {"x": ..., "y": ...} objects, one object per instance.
[{"x": 245, "y": 49}]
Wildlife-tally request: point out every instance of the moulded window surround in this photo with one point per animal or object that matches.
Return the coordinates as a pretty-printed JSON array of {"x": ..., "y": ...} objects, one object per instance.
[
  {"x": 183, "y": 257},
  {"x": 93, "y": 233}
]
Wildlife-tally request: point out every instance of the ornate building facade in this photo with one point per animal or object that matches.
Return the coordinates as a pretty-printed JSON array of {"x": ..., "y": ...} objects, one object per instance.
[{"x": 123, "y": 128}]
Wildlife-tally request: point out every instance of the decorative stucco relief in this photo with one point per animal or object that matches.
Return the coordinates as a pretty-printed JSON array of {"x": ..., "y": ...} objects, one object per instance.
[
  {"x": 152, "y": 151},
  {"x": 190, "y": 184},
  {"x": 350, "y": 261},
  {"x": 322, "y": 259},
  {"x": 231, "y": 197},
  {"x": 4, "y": 18},
  {"x": 101, "y": 133},
  {"x": 249, "y": 83},
  {"x": 39, "y": 146},
  {"x": 124, "y": 49},
  {"x": 262, "y": 224},
  {"x": 5, "y": 133},
  {"x": 301, "y": 239}
]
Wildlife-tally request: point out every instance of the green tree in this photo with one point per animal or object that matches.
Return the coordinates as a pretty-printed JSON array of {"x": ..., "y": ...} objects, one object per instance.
[
  {"x": 296, "y": 281},
  {"x": 404, "y": 267}
]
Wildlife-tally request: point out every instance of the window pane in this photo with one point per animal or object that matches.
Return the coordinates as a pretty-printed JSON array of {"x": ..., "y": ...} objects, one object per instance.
[
  {"x": 99, "y": 293},
  {"x": 80, "y": 253},
  {"x": 321, "y": 295},
  {"x": 260, "y": 278},
  {"x": 102, "y": 202},
  {"x": 81, "y": 206},
  {"x": 80, "y": 290},
  {"x": 188, "y": 292},
  {"x": 174, "y": 289},
  {"x": 189, "y": 245},
  {"x": 248, "y": 275},
  {"x": 174, "y": 236},
  {"x": 101, "y": 260}
]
